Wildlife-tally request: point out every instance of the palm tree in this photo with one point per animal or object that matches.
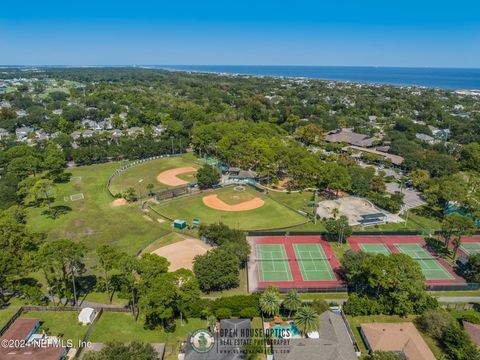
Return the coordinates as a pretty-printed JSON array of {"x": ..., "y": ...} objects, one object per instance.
[
  {"x": 270, "y": 302},
  {"x": 335, "y": 212},
  {"x": 292, "y": 301},
  {"x": 306, "y": 320}
]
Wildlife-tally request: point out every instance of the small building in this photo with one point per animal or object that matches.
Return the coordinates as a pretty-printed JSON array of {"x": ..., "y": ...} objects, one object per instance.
[
  {"x": 236, "y": 173},
  {"x": 372, "y": 219},
  {"x": 23, "y": 132},
  {"x": 425, "y": 138},
  {"x": 4, "y": 134},
  {"x": 87, "y": 315},
  {"x": 402, "y": 338},
  {"x": 179, "y": 224}
]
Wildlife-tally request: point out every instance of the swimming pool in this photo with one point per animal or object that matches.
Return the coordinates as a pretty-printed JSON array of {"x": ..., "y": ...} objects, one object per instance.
[{"x": 289, "y": 331}]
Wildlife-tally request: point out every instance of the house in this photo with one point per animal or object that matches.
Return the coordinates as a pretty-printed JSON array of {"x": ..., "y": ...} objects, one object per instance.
[
  {"x": 5, "y": 104},
  {"x": 235, "y": 173},
  {"x": 228, "y": 344},
  {"x": 473, "y": 331},
  {"x": 346, "y": 135},
  {"x": 90, "y": 124},
  {"x": 87, "y": 315},
  {"x": 439, "y": 133},
  {"x": 88, "y": 133},
  {"x": 402, "y": 338},
  {"x": 106, "y": 124},
  {"x": 23, "y": 330},
  {"x": 158, "y": 130},
  {"x": 57, "y": 111},
  {"x": 4, "y": 134},
  {"x": 394, "y": 159},
  {"x": 425, "y": 138},
  {"x": 41, "y": 135},
  {"x": 23, "y": 132},
  {"x": 134, "y": 130},
  {"x": 21, "y": 113},
  {"x": 76, "y": 135},
  {"x": 333, "y": 343},
  {"x": 116, "y": 133},
  {"x": 372, "y": 118}
]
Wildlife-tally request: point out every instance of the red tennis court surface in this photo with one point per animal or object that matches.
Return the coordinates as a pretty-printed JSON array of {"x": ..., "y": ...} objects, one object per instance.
[
  {"x": 389, "y": 242},
  {"x": 260, "y": 268}
]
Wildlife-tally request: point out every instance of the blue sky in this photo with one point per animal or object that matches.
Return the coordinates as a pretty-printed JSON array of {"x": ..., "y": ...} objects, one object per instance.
[{"x": 241, "y": 32}]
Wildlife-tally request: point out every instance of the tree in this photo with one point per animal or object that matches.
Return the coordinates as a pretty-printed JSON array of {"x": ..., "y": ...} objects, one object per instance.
[
  {"x": 117, "y": 351},
  {"x": 472, "y": 271},
  {"x": 270, "y": 301},
  {"x": 395, "y": 283},
  {"x": 150, "y": 189},
  {"x": 108, "y": 260},
  {"x": 61, "y": 261},
  {"x": 306, "y": 320},
  {"x": 419, "y": 178},
  {"x": 292, "y": 301},
  {"x": 216, "y": 270},
  {"x": 454, "y": 226},
  {"x": 310, "y": 134},
  {"x": 338, "y": 229},
  {"x": 207, "y": 176},
  {"x": 434, "y": 323},
  {"x": 131, "y": 194},
  {"x": 151, "y": 265},
  {"x": 43, "y": 191}
]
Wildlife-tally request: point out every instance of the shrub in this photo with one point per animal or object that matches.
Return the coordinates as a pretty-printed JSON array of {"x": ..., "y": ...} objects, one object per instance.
[
  {"x": 249, "y": 312},
  {"x": 434, "y": 323},
  {"x": 237, "y": 303},
  {"x": 319, "y": 305},
  {"x": 358, "y": 305},
  {"x": 223, "y": 313},
  {"x": 473, "y": 318}
]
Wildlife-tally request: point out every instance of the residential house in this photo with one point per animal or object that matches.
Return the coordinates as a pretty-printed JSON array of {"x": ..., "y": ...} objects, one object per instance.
[
  {"x": 57, "y": 111},
  {"x": 5, "y": 104},
  {"x": 76, "y": 135},
  {"x": 4, "y": 134},
  {"x": 372, "y": 118},
  {"x": 23, "y": 330},
  {"x": 346, "y": 135},
  {"x": 116, "y": 133},
  {"x": 394, "y": 159},
  {"x": 425, "y": 138},
  {"x": 21, "y": 113},
  {"x": 134, "y": 130},
  {"x": 158, "y": 130},
  {"x": 402, "y": 338},
  {"x": 439, "y": 133},
  {"x": 333, "y": 343},
  {"x": 23, "y": 132},
  {"x": 90, "y": 124}
]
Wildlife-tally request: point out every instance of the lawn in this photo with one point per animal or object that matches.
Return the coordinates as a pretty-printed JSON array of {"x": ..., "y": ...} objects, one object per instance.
[
  {"x": 413, "y": 222},
  {"x": 356, "y": 321},
  {"x": 141, "y": 175},
  {"x": 93, "y": 220},
  {"x": 270, "y": 215},
  {"x": 123, "y": 328},
  {"x": 63, "y": 324},
  {"x": 295, "y": 200}
]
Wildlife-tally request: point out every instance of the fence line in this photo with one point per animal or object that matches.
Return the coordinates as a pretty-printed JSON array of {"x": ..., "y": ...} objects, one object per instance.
[
  {"x": 84, "y": 341},
  {"x": 11, "y": 321}
]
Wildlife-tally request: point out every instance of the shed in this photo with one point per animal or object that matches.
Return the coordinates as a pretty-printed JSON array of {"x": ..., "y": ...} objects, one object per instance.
[
  {"x": 86, "y": 316},
  {"x": 179, "y": 224}
]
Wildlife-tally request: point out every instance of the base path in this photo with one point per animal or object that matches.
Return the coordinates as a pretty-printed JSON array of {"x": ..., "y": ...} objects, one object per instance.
[
  {"x": 212, "y": 201},
  {"x": 181, "y": 254},
  {"x": 169, "y": 177}
]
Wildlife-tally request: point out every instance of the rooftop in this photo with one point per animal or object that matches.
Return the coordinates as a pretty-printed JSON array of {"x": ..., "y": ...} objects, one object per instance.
[
  {"x": 397, "y": 337},
  {"x": 346, "y": 135}
]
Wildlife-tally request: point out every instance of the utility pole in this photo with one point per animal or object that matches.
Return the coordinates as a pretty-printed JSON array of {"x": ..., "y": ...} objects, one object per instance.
[
  {"x": 171, "y": 138},
  {"x": 315, "y": 207}
]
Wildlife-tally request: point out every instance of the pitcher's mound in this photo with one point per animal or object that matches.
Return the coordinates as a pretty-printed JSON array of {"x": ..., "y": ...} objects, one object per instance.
[
  {"x": 212, "y": 201},
  {"x": 169, "y": 177},
  {"x": 181, "y": 254},
  {"x": 118, "y": 202}
]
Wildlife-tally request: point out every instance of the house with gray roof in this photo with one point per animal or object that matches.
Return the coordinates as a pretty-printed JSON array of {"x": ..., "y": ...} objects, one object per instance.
[
  {"x": 334, "y": 343},
  {"x": 4, "y": 133},
  {"x": 425, "y": 138},
  {"x": 346, "y": 135},
  {"x": 22, "y": 132}
]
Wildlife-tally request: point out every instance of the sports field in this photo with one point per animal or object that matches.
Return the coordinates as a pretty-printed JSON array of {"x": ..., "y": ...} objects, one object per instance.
[
  {"x": 374, "y": 249},
  {"x": 470, "y": 248},
  {"x": 273, "y": 263},
  {"x": 431, "y": 268},
  {"x": 313, "y": 262},
  {"x": 139, "y": 176},
  {"x": 269, "y": 215}
]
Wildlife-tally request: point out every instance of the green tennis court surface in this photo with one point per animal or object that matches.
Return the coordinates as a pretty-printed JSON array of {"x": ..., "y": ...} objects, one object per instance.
[
  {"x": 471, "y": 248},
  {"x": 374, "y": 249},
  {"x": 273, "y": 263},
  {"x": 313, "y": 263},
  {"x": 431, "y": 268}
]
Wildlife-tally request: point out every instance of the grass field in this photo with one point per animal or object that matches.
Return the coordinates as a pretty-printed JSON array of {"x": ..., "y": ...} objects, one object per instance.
[
  {"x": 270, "y": 215},
  {"x": 63, "y": 324},
  {"x": 146, "y": 173},
  {"x": 123, "y": 328},
  {"x": 92, "y": 220},
  {"x": 295, "y": 200}
]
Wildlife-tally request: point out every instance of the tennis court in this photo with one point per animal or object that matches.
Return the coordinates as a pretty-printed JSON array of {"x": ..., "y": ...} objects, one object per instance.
[
  {"x": 374, "y": 249},
  {"x": 273, "y": 263},
  {"x": 431, "y": 268},
  {"x": 470, "y": 248},
  {"x": 314, "y": 264}
]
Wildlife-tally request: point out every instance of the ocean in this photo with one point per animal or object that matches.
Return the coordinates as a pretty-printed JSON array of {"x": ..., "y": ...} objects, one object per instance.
[{"x": 454, "y": 79}]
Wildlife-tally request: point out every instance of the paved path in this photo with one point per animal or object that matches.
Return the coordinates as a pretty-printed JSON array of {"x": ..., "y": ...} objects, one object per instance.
[{"x": 464, "y": 299}]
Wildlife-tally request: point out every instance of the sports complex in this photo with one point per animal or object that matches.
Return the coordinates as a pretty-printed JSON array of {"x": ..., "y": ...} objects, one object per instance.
[
  {"x": 301, "y": 262},
  {"x": 435, "y": 269},
  {"x": 470, "y": 245}
]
